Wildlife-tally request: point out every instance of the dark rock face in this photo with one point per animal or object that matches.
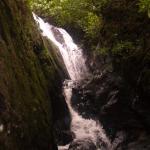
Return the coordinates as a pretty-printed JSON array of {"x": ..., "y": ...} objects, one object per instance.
[
  {"x": 142, "y": 144},
  {"x": 119, "y": 92},
  {"x": 29, "y": 77},
  {"x": 2, "y": 104},
  {"x": 110, "y": 98},
  {"x": 85, "y": 144},
  {"x": 64, "y": 137},
  {"x": 61, "y": 115}
]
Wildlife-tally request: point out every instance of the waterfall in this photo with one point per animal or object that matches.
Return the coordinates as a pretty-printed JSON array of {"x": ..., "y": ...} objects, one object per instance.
[
  {"x": 71, "y": 53},
  {"x": 83, "y": 128},
  {"x": 75, "y": 64}
]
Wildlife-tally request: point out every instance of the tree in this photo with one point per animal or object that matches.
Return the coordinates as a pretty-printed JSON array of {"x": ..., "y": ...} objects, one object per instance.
[
  {"x": 145, "y": 6},
  {"x": 84, "y": 14}
]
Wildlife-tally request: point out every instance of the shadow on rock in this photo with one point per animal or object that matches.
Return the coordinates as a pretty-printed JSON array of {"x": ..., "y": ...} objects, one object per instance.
[{"x": 84, "y": 144}]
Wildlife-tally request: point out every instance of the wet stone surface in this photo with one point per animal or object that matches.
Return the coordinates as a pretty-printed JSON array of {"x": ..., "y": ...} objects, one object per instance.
[{"x": 84, "y": 144}]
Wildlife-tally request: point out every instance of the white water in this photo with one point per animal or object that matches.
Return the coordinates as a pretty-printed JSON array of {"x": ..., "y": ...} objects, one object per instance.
[
  {"x": 71, "y": 53},
  {"x": 75, "y": 64},
  {"x": 83, "y": 128}
]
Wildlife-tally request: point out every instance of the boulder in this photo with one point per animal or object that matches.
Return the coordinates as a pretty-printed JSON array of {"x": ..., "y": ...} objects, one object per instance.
[{"x": 83, "y": 144}]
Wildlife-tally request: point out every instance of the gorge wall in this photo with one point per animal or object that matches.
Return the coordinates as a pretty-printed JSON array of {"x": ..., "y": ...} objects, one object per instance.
[
  {"x": 30, "y": 81},
  {"x": 119, "y": 92},
  {"x": 31, "y": 74}
]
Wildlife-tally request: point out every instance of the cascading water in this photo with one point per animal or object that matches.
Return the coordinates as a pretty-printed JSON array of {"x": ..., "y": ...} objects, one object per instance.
[
  {"x": 71, "y": 53},
  {"x": 84, "y": 128},
  {"x": 75, "y": 64}
]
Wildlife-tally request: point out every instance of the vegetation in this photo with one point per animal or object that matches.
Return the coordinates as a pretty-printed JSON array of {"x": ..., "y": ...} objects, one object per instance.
[
  {"x": 27, "y": 70},
  {"x": 115, "y": 28},
  {"x": 30, "y": 75},
  {"x": 145, "y": 6},
  {"x": 84, "y": 14},
  {"x": 89, "y": 16}
]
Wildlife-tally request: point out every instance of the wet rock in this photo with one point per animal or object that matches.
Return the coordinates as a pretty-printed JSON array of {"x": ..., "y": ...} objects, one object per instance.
[
  {"x": 84, "y": 144},
  {"x": 111, "y": 99},
  {"x": 141, "y": 144},
  {"x": 82, "y": 101},
  {"x": 65, "y": 137},
  {"x": 29, "y": 77},
  {"x": 62, "y": 119}
]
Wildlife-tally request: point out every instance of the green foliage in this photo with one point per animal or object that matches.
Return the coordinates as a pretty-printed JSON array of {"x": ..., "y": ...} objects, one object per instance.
[
  {"x": 42, "y": 5},
  {"x": 84, "y": 14},
  {"x": 102, "y": 51},
  {"x": 123, "y": 48},
  {"x": 90, "y": 24},
  {"x": 145, "y": 6}
]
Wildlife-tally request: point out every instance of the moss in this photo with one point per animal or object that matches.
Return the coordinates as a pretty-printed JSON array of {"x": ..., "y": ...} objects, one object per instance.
[{"x": 24, "y": 81}]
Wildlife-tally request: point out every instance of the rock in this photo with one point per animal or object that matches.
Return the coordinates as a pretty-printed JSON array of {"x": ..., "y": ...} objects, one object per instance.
[
  {"x": 64, "y": 137},
  {"x": 142, "y": 144},
  {"x": 110, "y": 98},
  {"x": 2, "y": 104},
  {"x": 29, "y": 77},
  {"x": 83, "y": 144}
]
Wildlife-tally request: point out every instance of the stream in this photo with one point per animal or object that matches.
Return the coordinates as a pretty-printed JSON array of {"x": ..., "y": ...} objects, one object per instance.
[{"x": 89, "y": 133}]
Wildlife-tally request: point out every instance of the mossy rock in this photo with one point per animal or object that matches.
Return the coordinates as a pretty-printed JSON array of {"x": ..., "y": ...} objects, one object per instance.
[{"x": 27, "y": 70}]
